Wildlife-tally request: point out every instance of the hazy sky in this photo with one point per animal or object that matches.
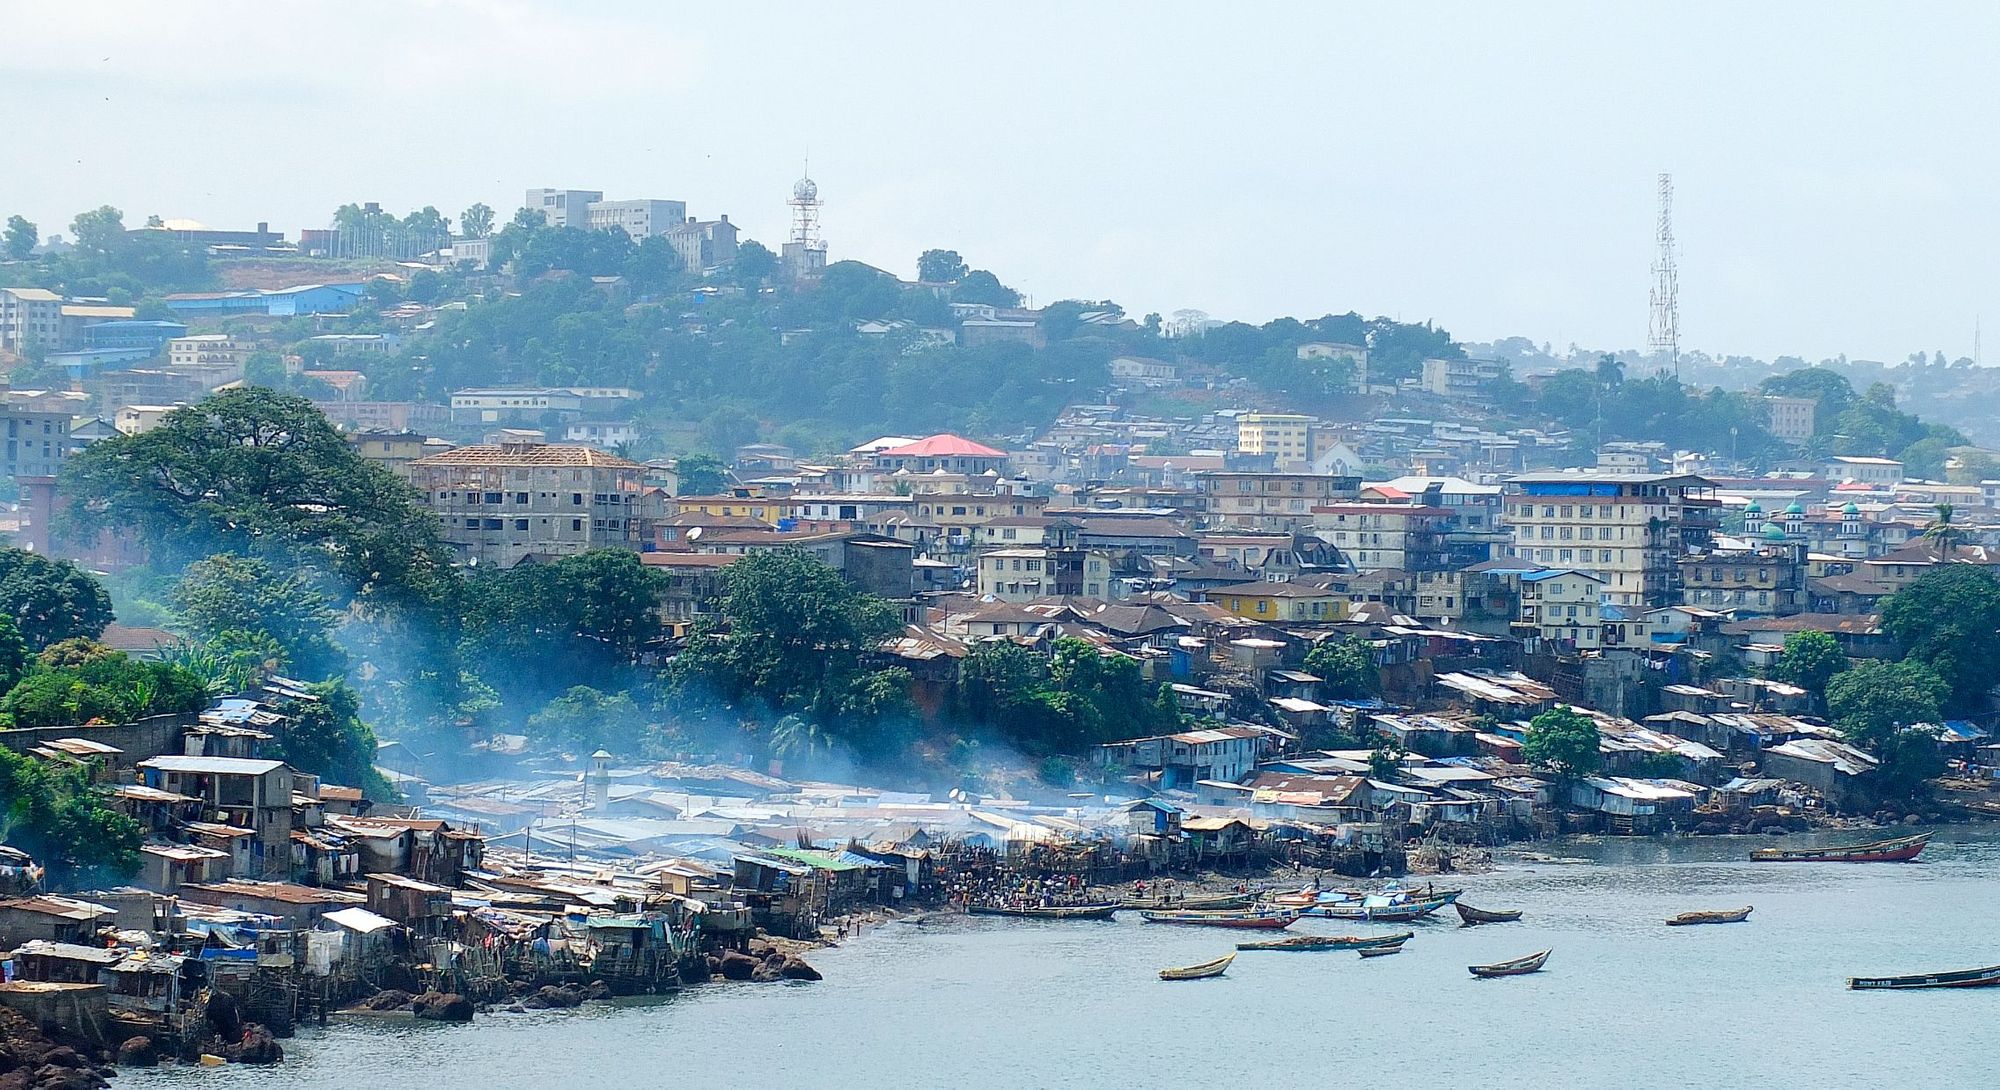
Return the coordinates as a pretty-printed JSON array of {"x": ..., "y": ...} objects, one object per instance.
[{"x": 1488, "y": 166}]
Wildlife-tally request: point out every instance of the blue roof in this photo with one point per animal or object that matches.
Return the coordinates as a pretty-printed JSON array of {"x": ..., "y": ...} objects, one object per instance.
[{"x": 1961, "y": 730}]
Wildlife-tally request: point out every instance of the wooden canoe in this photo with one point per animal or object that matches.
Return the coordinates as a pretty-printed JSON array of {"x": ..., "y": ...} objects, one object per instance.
[
  {"x": 1393, "y": 913},
  {"x": 1961, "y": 978},
  {"x": 1689, "y": 919},
  {"x": 1327, "y": 942},
  {"x": 1197, "y": 903},
  {"x": 1899, "y": 850},
  {"x": 1046, "y": 912},
  {"x": 1199, "y": 972},
  {"x": 1472, "y": 916},
  {"x": 1518, "y": 967},
  {"x": 1255, "y": 921},
  {"x": 1380, "y": 951}
]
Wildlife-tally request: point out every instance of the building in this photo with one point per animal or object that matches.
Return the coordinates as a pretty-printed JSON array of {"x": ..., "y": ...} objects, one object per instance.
[
  {"x": 1291, "y": 603},
  {"x": 1219, "y": 753},
  {"x": 1790, "y": 418},
  {"x": 243, "y": 793},
  {"x": 704, "y": 244},
  {"x": 1280, "y": 502},
  {"x": 1769, "y": 583},
  {"x": 37, "y": 440},
  {"x": 1144, "y": 371},
  {"x": 1025, "y": 573},
  {"x": 1371, "y": 536},
  {"x": 950, "y": 453},
  {"x": 1285, "y": 438},
  {"x": 563, "y": 207},
  {"x": 1561, "y": 606},
  {"x": 385, "y": 415},
  {"x": 1629, "y": 529},
  {"x": 1879, "y": 472},
  {"x": 342, "y": 344},
  {"x": 393, "y": 450},
  {"x": 601, "y": 433},
  {"x": 525, "y": 406},
  {"x": 275, "y": 303},
  {"x": 1470, "y": 380},
  {"x": 217, "y": 350},
  {"x": 500, "y": 503},
  {"x": 641, "y": 219},
  {"x": 30, "y": 316}
]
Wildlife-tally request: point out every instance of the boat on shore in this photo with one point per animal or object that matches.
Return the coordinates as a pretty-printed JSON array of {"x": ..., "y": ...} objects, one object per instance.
[
  {"x": 1472, "y": 916},
  {"x": 1046, "y": 912},
  {"x": 1380, "y": 951},
  {"x": 1328, "y": 942},
  {"x": 1203, "y": 971},
  {"x": 1196, "y": 903},
  {"x": 1900, "y": 850},
  {"x": 1518, "y": 967},
  {"x": 1689, "y": 919},
  {"x": 1381, "y": 913},
  {"x": 1961, "y": 978},
  {"x": 1255, "y": 921}
]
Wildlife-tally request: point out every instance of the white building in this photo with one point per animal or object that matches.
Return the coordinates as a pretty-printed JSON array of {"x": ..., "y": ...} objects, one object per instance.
[
  {"x": 1630, "y": 529},
  {"x": 563, "y": 207},
  {"x": 30, "y": 316},
  {"x": 1562, "y": 606},
  {"x": 1882, "y": 472},
  {"x": 641, "y": 219}
]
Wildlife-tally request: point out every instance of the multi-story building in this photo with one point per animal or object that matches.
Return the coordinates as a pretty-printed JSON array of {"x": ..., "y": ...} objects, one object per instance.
[
  {"x": 1025, "y": 573},
  {"x": 641, "y": 219},
  {"x": 37, "y": 440},
  {"x": 1628, "y": 529},
  {"x": 30, "y": 316},
  {"x": 944, "y": 451},
  {"x": 1880, "y": 472},
  {"x": 704, "y": 244},
  {"x": 1285, "y": 438},
  {"x": 392, "y": 450},
  {"x": 1287, "y": 603},
  {"x": 1404, "y": 537},
  {"x": 1766, "y": 583},
  {"x": 502, "y": 502},
  {"x": 208, "y": 350},
  {"x": 1560, "y": 606},
  {"x": 526, "y": 406},
  {"x": 1790, "y": 418},
  {"x": 563, "y": 207},
  {"x": 1269, "y": 501},
  {"x": 1462, "y": 379}
]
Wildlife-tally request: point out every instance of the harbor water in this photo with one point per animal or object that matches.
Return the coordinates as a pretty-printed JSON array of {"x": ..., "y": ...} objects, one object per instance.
[{"x": 1002, "y": 1003}]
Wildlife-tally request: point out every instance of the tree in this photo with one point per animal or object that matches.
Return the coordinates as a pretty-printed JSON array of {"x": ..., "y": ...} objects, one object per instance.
[
  {"x": 584, "y": 720},
  {"x": 795, "y": 736},
  {"x": 940, "y": 266},
  {"x": 727, "y": 428},
  {"x": 1563, "y": 741},
  {"x": 1943, "y": 537},
  {"x": 476, "y": 221},
  {"x": 540, "y": 629},
  {"x": 50, "y": 812},
  {"x": 1891, "y": 709},
  {"x": 700, "y": 475},
  {"x": 1346, "y": 667},
  {"x": 228, "y": 593},
  {"x": 20, "y": 239},
  {"x": 100, "y": 232},
  {"x": 50, "y": 600},
  {"x": 1610, "y": 372},
  {"x": 1949, "y": 621},
  {"x": 1810, "y": 659},
  {"x": 754, "y": 262},
  {"x": 980, "y": 286}
]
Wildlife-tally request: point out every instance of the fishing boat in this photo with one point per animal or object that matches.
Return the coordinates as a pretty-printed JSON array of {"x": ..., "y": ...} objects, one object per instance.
[
  {"x": 1472, "y": 916},
  {"x": 1199, "y": 903},
  {"x": 1386, "y": 912},
  {"x": 1327, "y": 942},
  {"x": 1899, "y": 850},
  {"x": 1199, "y": 972},
  {"x": 1689, "y": 919},
  {"x": 1046, "y": 912},
  {"x": 1380, "y": 951},
  {"x": 1518, "y": 967},
  {"x": 1962, "y": 978},
  {"x": 1256, "y": 921}
]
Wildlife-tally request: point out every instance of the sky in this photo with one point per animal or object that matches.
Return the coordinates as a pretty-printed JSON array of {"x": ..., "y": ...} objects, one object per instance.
[{"x": 1488, "y": 167}]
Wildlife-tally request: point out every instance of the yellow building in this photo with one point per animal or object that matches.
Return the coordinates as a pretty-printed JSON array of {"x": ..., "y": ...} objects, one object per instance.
[
  {"x": 1284, "y": 602},
  {"x": 1286, "y": 437},
  {"x": 742, "y": 503}
]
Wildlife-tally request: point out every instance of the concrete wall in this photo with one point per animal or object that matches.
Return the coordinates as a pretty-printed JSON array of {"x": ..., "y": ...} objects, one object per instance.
[{"x": 141, "y": 739}]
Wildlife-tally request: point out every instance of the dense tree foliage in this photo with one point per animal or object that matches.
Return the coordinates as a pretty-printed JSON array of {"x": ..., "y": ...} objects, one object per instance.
[
  {"x": 537, "y": 630},
  {"x": 1345, "y": 667},
  {"x": 49, "y": 811},
  {"x": 585, "y": 720},
  {"x": 1949, "y": 620},
  {"x": 1891, "y": 709},
  {"x": 78, "y": 681},
  {"x": 50, "y": 600},
  {"x": 325, "y": 736},
  {"x": 227, "y": 594},
  {"x": 1810, "y": 660},
  {"x": 1563, "y": 741}
]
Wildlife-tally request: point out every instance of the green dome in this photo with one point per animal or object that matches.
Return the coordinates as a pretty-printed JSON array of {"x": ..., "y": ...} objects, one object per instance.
[
  {"x": 1795, "y": 509},
  {"x": 1850, "y": 509},
  {"x": 1755, "y": 508},
  {"x": 1775, "y": 533}
]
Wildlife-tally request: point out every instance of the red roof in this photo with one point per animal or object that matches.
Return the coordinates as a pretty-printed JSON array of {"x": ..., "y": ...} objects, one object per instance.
[{"x": 943, "y": 445}]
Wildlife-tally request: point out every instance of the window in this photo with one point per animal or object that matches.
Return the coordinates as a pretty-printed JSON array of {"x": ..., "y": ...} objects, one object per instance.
[
  {"x": 520, "y": 524},
  {"x": 576, "y": 499},
  {"x": 520, "y": 497},
  {"x": 493, "y": 524},
  {"x": 494, "y": 497},
  {"x": 576, "y": 526}
]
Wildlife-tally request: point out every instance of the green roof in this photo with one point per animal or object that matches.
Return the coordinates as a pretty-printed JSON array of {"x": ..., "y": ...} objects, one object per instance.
[{"x": 810, "y": 858}]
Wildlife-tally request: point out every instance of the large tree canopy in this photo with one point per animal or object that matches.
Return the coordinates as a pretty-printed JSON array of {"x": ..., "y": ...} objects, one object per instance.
[
  {"x": 1949, "y": 620},
  {"x": 1564, "y": 741},
  {"x": 236, "y": 594},
  {"x": 50, "y": 600}
]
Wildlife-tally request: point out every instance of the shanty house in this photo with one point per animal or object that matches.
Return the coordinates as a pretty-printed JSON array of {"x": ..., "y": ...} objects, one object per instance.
[
  {"x": 244, "y": 793},
  {"x": 1836, "y": 770}
]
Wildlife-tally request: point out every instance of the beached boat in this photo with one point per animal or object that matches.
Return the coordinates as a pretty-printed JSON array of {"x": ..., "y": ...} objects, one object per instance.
[
  {"x": 1389, "y": 912},
  {"x": 1196, "y": 903},
  {"x": 1519, "y": 966},
  {"x": 1899, "y": 850},
  {"x": 1046, "y": 912},
  {"x": 1199, "y": 972},
  {"x": 1256, "y": 921},
  {"x": 1962, "y": 978},
  {"x": 1689, "y": 919},
  {"x": 1471, "y": 915},
  {"x": 1327, "y": 942},
  {"x": 1380, "y": 951}
]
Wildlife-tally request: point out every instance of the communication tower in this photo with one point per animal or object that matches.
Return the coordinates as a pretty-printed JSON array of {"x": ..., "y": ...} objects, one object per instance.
[
  {"x": 1664, "y": 334},
  {"x": 805, "y": 251}
]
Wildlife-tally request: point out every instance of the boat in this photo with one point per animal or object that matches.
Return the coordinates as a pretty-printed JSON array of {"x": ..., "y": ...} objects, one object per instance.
[
  {"x": 1688, "y": 919},
  {"x": 1046, "y": 912},
  {"x": 1380, "y": 951},
  {"x": 1199, "y": 972},
  {"x": 1257, "y": 921},
  {"x": 1390, "y": 912},
  {"x": 1198, "y": 903},
  {"x": 1962, "y": 978},
  {"x": 1471, "y": 915},
  {"x": 1518, "y": 967},
  {"x": 1327, "y": 942},
  {"x": 1899, "y": 850}
]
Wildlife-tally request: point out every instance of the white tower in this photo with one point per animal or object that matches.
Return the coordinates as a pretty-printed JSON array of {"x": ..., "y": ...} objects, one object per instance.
[
  {"x": 1664, "y": 334},
  {"x": 805, "y": 251}
]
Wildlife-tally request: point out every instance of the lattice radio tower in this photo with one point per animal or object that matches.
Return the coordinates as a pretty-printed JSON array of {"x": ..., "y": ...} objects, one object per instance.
[
  {"x": 1664, "y": 334},
  {"x": 805, "y": 204}
]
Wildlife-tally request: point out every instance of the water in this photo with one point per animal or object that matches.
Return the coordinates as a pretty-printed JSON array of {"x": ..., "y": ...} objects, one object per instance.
[{"x": 1625, "y": 1001}]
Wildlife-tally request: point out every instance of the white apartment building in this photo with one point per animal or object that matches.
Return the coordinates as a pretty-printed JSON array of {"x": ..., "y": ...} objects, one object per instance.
[
  {"x": 30, "y": 316},
  {"x": 1884, "y": 472},
  {"x": 1628, "y": 529},
  {"x": 641, "y": 219},
  {"x": 563, "y": 207},
  {"x": 1562, "y": 606},
  {"x": 1791, "y": 418},
  {"x": 1286, "y": 437},
  {"x": 207, "y": 350}
]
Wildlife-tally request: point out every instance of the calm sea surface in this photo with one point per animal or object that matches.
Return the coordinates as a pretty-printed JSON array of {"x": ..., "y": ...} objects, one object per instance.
[{"x": 1625, "y": 1001}]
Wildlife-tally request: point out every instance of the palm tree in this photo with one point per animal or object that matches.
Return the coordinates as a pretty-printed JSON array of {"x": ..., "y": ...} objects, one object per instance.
[
  {"x": 1942, "y": 535},
  {"x": 1610, "y": 371},
  {"x": 796, "y": 736}
]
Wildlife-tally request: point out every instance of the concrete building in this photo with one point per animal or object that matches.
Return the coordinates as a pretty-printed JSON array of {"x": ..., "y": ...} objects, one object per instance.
[
  {"x": 30, "y": 316},
  {"x": 1462, "y": 379},
  {"x": 522, "y": 406},
  {"x": 563, "y": 207},
  {"x": 37, "y": 440},
  {"x": 1025, "y": 573},
  {"x": 502, "y": 502},
  {"x": 1629, "y": 530},
  {"x": 704, "y": 244},
  {"x": 208, "y": 350},
  {"x": 1790, "y": 418},
  {"x": 1269, "y": 501},
  {"x": 641, "y": 219},
  {"x": 1286, "y": 438},
  {"x": 1561, "y": 606},
  {"x": 950, "y": 453},
  {"x": 244, "y": 793},
  {"x": 1144, "y": 371},
  {"x": 1373, "y": 536},
  {"x": 1280, "y": 602},
  {"x": 1880, "y": 472}
]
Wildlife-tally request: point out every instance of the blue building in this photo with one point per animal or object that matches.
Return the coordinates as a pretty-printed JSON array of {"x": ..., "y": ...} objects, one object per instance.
[
  {"x": 281, "y": 303},
  {"x": 151, "y": 336}
]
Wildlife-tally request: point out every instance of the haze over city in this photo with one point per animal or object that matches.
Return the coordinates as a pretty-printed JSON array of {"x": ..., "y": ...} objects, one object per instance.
[{"x": 1490, "y": 169}]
